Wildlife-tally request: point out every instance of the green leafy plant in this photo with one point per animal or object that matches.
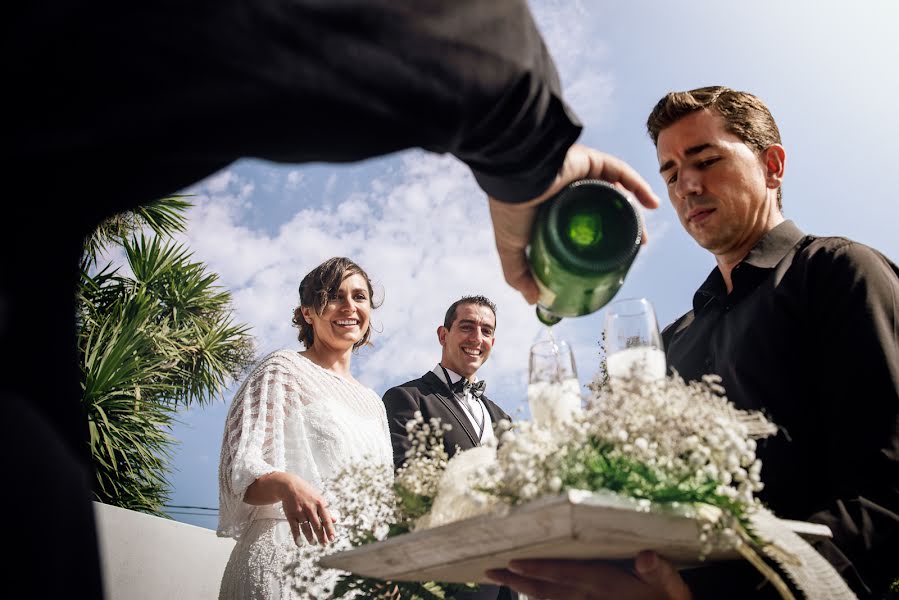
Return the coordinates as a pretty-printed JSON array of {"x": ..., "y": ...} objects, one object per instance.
[{"x": 151, "y": 343}]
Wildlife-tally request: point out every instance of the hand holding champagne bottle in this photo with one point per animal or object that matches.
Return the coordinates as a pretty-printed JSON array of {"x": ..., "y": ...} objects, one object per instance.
[{"x": 513, "y": 223}]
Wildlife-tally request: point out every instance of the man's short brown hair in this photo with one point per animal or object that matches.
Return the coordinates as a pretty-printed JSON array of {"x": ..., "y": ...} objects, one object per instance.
[
  {"x": 745, "y": 116},
  {"x": 477, "y": 300}
]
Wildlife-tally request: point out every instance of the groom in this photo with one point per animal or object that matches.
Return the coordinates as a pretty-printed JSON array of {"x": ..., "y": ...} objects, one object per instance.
[{"x": 452, "y": 392}]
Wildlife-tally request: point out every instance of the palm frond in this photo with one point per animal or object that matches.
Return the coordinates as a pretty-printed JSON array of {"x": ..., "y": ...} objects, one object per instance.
[
  {"x": 150, "y": 344},
  {"x": 166, "y": 216},
  {"x": 163, "y": 217},
  {"x": 128, "y": 434}
]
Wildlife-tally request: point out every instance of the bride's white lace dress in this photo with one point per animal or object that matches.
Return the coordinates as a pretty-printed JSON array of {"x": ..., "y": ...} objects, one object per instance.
[{"x": 289, "y": 415}]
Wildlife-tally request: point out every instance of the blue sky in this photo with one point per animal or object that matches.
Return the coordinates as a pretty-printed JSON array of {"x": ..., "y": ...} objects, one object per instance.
[{"x": 419, "y": 224}]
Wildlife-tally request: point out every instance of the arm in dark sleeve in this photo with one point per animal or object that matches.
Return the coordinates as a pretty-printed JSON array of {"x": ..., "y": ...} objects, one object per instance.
[
  {"x": 858, "y": 308},
  {"x": 174, "y": 90},
  {"x": 401, "y": 407}
]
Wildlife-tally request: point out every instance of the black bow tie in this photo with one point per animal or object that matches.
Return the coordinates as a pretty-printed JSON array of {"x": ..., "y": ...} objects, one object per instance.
[{"x": 475, "y": 389}]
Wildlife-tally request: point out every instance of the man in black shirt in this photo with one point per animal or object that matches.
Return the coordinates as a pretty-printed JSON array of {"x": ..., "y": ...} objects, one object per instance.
[
  {"x": 803, "y": 328},
  {"x": 118, "y": 104}
]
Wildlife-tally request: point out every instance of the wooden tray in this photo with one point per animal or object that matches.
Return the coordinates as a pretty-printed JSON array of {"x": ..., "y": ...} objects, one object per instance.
[{"x": 576, "y": 524}]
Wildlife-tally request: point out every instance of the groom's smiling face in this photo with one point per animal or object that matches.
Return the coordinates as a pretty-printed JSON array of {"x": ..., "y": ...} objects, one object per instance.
[{"x": 469, "y": 340}]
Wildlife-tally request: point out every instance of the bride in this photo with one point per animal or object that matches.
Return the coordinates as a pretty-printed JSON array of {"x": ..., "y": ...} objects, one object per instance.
[{"x": 297, "y": 420}]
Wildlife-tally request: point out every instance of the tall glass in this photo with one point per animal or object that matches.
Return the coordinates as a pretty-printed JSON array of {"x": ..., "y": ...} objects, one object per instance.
[
  {"x": 633, "y": 342},
  {"x": 554, "y": 393}
]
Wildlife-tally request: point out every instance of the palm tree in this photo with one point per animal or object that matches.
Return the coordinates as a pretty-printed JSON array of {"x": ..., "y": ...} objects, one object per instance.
[{"x": 151, "y": 343}]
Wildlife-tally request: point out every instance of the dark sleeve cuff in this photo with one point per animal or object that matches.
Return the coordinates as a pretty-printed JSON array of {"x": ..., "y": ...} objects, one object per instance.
[{"x": 524, "y": 170}]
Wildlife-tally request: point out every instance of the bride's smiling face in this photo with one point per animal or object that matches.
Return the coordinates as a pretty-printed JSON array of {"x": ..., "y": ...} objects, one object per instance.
[{"x": 345, "y": 317}]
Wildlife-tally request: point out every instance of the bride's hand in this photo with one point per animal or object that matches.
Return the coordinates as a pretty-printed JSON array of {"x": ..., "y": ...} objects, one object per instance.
[
  {"x": 307, "y": 511},
  {"x": 303, "y": 505}
]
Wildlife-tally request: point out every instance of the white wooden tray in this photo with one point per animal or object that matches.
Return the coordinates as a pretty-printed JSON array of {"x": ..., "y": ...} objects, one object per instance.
[{"x": 577, "y": 525}]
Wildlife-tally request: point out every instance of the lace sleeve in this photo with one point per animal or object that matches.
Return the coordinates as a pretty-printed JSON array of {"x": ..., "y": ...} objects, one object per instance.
[{"x": 253, "y": 442}]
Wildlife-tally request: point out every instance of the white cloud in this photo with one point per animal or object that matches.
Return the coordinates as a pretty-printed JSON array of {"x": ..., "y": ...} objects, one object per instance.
[
  {"x": 657, "y": 227},
  {"x": 216, "y": 234},
  {"x": 426, "y": 239},
  {"x": 569, "y": 29},
  {"x": 294, "y": 179},
  {"x": 331, "y": 183}
]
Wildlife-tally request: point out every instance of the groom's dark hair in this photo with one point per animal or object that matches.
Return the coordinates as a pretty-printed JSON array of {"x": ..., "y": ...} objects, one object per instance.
[{"x": 478, "y": 300}]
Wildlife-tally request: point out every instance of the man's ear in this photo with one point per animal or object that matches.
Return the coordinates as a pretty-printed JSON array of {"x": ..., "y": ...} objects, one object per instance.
[
  {"x": 774, "y": 158},
  {"x": 307, "y": 314},
  {"x": 441, "y": 335}
]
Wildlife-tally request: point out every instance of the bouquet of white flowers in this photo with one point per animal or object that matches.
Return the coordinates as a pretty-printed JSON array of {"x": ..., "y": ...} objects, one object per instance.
[{"x": 655, "y": 449}]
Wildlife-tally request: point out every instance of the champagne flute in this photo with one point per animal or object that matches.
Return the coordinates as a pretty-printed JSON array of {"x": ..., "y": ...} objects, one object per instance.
[
  {"x": 554, "y": 393},
  {"x": 633, "y": 342}
]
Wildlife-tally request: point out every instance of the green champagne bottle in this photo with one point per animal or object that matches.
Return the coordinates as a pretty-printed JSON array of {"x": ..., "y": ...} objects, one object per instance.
[{"x": 584, "y": 241}]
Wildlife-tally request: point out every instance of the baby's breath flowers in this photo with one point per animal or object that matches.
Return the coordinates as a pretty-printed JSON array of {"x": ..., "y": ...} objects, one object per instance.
[
  {"x": 362, "y": 500},
  {"x": 418, "y": 479},
  {"x": 661, "y": 445},
  {"x": 373, "y": 504},
  {"x": 685, "y": 442},
  {"x": 664, "y": 443}
]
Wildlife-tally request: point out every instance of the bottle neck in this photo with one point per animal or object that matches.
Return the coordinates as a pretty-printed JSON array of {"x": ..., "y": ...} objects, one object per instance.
[{"x": 547, "y": 317}]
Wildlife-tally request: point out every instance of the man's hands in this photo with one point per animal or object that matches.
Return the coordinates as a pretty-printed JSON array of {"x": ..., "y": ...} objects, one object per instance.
[
  {"x": 653, "y": 578},
  {"x": 512, "y": 223}
]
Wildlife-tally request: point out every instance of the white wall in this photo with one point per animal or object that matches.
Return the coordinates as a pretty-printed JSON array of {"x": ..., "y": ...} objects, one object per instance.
[{"x": 149, "y": 558}]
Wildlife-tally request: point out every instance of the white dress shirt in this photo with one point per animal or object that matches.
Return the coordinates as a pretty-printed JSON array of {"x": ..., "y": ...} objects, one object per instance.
[{"x": 473, "y": 407}]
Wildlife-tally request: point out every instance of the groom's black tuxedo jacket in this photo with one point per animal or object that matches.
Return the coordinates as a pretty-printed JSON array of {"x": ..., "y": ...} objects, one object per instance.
[{"x": 431, "y": 396}]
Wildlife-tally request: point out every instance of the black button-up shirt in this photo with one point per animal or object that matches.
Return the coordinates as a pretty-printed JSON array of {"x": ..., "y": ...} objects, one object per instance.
[{"x": 810, "y": 336}]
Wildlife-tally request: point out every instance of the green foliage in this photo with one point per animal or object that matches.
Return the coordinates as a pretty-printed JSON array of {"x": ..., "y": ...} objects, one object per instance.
[
  {"x": 412, "y": 505},
  {"x": 597, "y": 466},
  {"x": 163, "y": 217},
  {"x": 150, "y": 344}
]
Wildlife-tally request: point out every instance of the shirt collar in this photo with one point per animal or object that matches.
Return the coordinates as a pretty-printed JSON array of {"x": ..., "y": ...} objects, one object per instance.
[
  {"x": 774, "y": 245},
  {"x": 438, "y": 371},
  {"x": 766, "y": 254}
]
